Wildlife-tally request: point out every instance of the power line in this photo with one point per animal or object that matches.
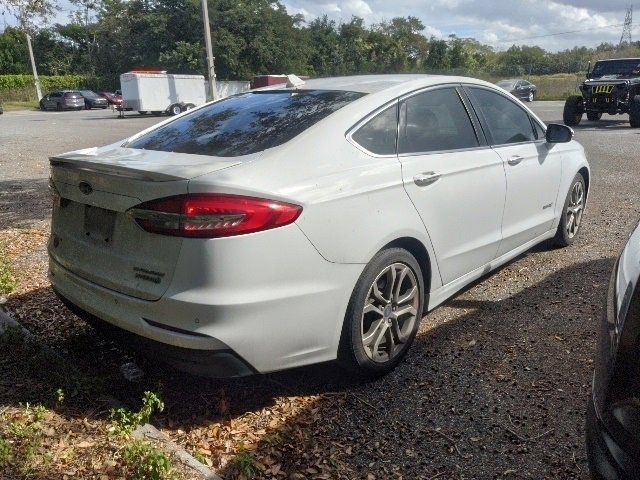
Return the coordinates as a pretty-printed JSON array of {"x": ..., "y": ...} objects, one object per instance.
[{"x": 561, "y": 33}]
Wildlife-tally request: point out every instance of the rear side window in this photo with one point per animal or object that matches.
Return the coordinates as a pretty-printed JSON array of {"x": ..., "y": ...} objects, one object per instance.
[
  {"x": 378, "y": 135},
  {"x": 246, "y": 123},
  {"x": 506, "y": 121},
  {"x": 435, "y": 121}
]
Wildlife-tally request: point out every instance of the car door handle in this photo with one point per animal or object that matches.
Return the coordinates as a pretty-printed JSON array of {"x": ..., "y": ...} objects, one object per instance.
[
  {"x": 515, "y": 160},
  {"x": 426, "y": 178}
]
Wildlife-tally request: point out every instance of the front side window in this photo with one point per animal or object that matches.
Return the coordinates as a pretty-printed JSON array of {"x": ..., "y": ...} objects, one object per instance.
[
  {"x": 378, "y": 135},
  {"x": 506, "y": 121},
  {"x": 435, "y": 121},
  {"x": 247, "y": 123},
  {"x": 540, "y": 132}
]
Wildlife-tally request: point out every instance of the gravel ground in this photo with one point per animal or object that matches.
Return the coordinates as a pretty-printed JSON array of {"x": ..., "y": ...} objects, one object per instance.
[{"x": 494, "y": 387}]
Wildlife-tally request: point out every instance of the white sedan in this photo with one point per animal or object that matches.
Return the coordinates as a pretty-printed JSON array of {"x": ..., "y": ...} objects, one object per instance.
[{"x": 308, "y": 222}]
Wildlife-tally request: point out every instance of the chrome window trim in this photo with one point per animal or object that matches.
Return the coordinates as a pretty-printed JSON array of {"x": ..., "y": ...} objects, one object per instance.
[
  {"x": 363, "y": 121},
  {"x": 440, "y": 152}
]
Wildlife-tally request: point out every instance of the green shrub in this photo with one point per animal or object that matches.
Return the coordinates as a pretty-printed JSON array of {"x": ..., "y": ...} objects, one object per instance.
[
  {"x": 7, "y": 280},
  {"x": 126, "y": 421},
  {"x": 5, "y": 452},
  {"x": 145, "y": 462},
  {"x": 21, "y": 87}
]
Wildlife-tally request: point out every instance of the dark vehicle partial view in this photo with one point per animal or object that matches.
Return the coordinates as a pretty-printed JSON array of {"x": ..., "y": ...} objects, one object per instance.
[
  {"x": 613, "y": 87},
  {"x": 112, "y": 98},
  {"x": 93, "y": 100},
  {"x": 62, "y": 100},
  {"x": 519, "y": 88},
  {"x": 613, "y": 417}
]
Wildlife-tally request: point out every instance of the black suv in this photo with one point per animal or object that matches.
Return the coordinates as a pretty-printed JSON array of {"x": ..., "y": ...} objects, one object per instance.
[{"x": 613, "y": 87}]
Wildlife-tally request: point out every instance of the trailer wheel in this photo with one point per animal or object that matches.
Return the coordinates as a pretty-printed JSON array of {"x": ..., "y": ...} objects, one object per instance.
[
  {"x": 142, "y": 112},
  {"x": 189, "y": 106},
  {"x": 157, "y": 113},
  {"x": 175, "y": 109}
]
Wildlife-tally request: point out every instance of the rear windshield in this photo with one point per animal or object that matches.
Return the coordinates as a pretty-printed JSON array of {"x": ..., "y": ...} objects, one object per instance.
[
  {"x": 88, "y": 93},
  {"x": 247, "y": 123},
  {"x": 72, "y": 94}
]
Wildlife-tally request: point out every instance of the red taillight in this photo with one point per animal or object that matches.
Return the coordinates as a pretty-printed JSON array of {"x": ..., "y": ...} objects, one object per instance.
[{"x": 213, "y": 215}]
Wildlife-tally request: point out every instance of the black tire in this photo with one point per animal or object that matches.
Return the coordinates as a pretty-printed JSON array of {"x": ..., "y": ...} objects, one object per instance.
[
  {"x": 352, "y": 353},
  {"x": 142, "y": 112},
  {"x": 562, "y": 237},
  {"x": 189, "y": 106},
  {"x": 59, "y": 107},
  {"x": 634, "y": 112},
  {"x": 175, "y": 109},
  {"x": 156, "y": 113},
  {"x": 42, "y": 107},
  {"x": 573, "y": 110},
  {"x": 594, "y": 116}
]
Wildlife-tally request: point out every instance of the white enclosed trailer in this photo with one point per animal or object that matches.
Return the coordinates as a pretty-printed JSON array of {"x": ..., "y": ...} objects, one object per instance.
[{"x": 161, "y": 92}]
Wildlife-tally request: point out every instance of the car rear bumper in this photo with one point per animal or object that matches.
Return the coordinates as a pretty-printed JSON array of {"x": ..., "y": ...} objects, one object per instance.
[
  {"x": 219, "y": 362},
  {"x": 269, "y": 298}
]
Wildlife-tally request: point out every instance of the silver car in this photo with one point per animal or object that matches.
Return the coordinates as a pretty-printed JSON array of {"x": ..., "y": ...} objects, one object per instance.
[{"x": 62, "y": 100}]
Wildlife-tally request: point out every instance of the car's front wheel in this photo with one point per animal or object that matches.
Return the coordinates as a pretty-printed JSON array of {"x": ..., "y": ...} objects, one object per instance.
[
  {"x": 634, "y": 112},
  {"x": 571, "y": 219},
  {"x": 573, "y": 110},
  {"x": 383, "y": 314}
]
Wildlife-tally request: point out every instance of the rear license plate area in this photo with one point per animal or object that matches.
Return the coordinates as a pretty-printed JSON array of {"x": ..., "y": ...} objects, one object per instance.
[{"x": 99, "y": 224}]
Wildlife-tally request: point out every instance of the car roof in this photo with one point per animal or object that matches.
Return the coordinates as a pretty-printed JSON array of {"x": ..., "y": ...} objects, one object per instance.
[{"x": 378, "y": 83}]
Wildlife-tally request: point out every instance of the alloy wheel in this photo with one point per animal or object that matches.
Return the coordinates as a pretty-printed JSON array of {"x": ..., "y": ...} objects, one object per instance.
[
  {"x": 575, "y": 209},
  {"x": 390, "y": 312}
]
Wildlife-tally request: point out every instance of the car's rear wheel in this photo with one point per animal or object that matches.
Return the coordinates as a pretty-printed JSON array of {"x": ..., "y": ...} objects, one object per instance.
[
  {"x": 634, "y": 112},
  {"x": 571, "y": 219},
  {"x": 594, "y": 116},
  {"x": 383, "y": 314},
  {"x": 42, "y": 107},
  {"x": 573, "y": 110}
]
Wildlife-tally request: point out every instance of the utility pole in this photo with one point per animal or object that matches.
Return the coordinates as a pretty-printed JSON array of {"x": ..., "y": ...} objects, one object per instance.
[
  {"x": 33, "y": 67},
  {"x": 207, "y": 39}
]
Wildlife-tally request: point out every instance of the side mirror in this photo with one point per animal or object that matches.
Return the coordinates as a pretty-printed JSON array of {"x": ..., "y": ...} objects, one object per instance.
[{"x": 557, "y": 133}]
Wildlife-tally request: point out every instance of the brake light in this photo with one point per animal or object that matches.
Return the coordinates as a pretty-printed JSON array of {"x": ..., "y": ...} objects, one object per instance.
[{"x": 213, "y": 215}]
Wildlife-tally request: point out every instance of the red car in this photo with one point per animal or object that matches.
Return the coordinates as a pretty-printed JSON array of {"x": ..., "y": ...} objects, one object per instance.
[{"x": 112, "y": 98}]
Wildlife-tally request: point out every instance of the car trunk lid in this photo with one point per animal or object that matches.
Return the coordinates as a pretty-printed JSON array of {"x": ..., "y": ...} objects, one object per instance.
[{"x": 94, "y": 237}]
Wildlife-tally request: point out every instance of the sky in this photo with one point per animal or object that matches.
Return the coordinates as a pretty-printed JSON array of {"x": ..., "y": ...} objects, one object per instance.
[{"x": 499, "y": 23}]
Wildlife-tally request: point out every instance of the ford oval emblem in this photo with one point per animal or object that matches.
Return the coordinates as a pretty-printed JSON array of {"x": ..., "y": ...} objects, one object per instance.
[{"x": 85, "y": 188}]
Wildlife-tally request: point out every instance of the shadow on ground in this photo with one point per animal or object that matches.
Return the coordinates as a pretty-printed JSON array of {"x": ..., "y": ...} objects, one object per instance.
[
  {"x": 24, "y": 202},
  {"x": 490, "y": 389}
]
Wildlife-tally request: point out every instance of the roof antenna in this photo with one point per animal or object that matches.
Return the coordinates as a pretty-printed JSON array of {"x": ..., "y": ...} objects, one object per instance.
[{"x": 294, "y": 81}]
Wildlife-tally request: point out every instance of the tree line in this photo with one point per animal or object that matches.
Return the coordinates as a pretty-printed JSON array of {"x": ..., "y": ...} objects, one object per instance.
[{"x": 251, "y": 37}]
